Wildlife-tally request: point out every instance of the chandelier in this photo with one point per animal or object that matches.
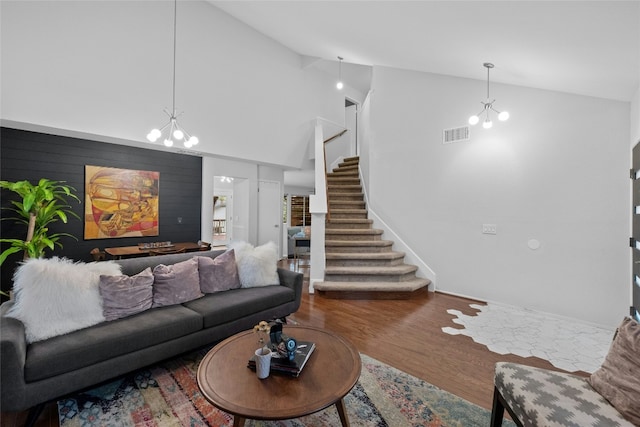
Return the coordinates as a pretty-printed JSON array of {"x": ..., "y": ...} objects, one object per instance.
[
  {"x": 175, "y": 131},
  {"x": 488, "y": 107},
  {"x": 339, "y": 84}
]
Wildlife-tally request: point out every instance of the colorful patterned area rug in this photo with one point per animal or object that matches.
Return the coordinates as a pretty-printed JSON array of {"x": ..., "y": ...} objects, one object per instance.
[{"x": 167, "y": 395}]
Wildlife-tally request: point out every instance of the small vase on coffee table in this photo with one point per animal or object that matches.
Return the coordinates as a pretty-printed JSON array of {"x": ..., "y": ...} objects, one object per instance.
[{"x": 263, "y": 362}]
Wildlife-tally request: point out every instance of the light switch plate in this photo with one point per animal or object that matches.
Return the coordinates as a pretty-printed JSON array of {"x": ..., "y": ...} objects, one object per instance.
[{"x": 489, "y": 229}]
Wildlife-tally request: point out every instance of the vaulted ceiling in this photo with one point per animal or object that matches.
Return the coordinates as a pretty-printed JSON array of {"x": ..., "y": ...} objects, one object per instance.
[{"x": 583, "y": 47}]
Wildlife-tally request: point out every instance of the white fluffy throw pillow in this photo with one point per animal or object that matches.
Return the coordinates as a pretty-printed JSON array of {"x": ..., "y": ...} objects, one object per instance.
[
  {"x": 54, "y": 296},
  {"x": 256, "y": 266}
]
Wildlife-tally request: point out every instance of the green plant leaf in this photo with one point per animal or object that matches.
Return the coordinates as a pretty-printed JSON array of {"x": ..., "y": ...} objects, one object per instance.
[
  {"x": 9, "y": 251},
  {"x": 47, "y": 202},
  {"x": 27, "y": 202}
]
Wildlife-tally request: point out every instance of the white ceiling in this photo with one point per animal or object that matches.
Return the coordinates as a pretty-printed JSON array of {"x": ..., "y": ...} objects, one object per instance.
[{"x": 583, "y": 47}]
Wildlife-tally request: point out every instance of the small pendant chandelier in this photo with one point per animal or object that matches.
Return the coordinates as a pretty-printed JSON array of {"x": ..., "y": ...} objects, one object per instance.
[
  {"x": 175, "y": 131},
  {"x": 339, "y": 84},
  {"x": 488, "y": 107}
]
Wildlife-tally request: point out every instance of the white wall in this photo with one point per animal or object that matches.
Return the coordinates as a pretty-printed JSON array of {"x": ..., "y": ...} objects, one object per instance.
[
  {"x": 557, "y": 172},
  {"x": 635, "y": 118},
  {"x": 105, "y": 68}
]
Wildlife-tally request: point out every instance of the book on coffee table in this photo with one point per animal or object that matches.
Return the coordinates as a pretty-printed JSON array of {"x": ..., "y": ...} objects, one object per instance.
[{"x": 283, "y": 365}]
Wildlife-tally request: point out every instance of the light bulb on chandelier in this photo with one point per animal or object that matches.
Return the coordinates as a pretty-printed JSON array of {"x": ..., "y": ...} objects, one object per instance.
[
  {"x": 175, "y": 131},
  {"x": 488, "y": 107}
]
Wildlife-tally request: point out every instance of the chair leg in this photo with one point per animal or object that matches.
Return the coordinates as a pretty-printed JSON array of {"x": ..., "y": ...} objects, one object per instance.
[{"x": 497, "y": 411}]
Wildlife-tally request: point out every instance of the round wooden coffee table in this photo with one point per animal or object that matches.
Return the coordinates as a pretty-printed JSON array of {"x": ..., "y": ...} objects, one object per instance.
[{"x": 330, "y": 373}]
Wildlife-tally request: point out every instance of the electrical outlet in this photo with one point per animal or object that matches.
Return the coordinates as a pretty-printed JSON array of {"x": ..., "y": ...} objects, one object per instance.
[{"x": 489, "y": 229}]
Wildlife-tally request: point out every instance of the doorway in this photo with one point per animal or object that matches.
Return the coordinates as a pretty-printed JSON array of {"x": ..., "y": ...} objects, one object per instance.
[
  {"x": 351, "y": 123},
  {"x": 222, "y": 210},
  {"x": 269, "y": 212}
]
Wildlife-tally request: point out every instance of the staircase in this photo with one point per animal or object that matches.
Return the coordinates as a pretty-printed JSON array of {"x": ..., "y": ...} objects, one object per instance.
[{"x": 359, "y": 263}]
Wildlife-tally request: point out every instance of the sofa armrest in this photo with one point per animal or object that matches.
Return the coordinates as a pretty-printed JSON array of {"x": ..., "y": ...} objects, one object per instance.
[
  {"x": 292, "y": 280},
  {"x": 13, "y": 353}
]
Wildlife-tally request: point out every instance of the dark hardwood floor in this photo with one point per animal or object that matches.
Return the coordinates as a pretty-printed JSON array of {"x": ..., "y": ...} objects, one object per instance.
[{"x": 406, "y": 334}]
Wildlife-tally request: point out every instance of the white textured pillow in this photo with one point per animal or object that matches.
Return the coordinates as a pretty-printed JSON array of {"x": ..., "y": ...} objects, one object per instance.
[
  {"x": 256, "y": 266},
  {"x": 54, "y": 296}
]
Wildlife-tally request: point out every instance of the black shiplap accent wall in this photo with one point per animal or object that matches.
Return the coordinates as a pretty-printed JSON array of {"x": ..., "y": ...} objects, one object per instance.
[{"x": 32, "y": 155}]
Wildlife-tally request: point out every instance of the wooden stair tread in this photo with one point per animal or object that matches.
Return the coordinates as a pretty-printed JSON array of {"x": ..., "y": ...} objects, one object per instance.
[
  {"x": 379, "y": 286},
  {"x": 350, "y": 221},
  {"x": 349, "y": 210},
  {"x": 346, "y": 202},
  {"x": 353, "y": 231},
  {"x": 391, "y": 270},
  {"x": 344, "y": 187},
  {"x": 358, "y": 243},
  {"x": 364, "y": 255}
]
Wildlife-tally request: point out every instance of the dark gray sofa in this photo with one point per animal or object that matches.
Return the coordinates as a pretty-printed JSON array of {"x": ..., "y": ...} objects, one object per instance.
[{"x": 33, "y": 374}]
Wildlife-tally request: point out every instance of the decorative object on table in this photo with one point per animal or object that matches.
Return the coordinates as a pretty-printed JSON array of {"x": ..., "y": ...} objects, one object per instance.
[
  {"x": 41, "y": 205},
  {"x": 288, "y": 355},
  {"x": 285, "y": 346},
  {"x": 120, "y": 203},
  {"x": 263, "y": 362},
  {"x": 282, "y": 365},
  {"x": 262, "y": 357},
  {"x": 156, "y": 245},
  {"x": 262, "y": 329}
]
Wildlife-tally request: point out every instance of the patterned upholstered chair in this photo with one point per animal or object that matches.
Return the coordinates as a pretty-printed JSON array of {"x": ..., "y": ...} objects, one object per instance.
[
  {"x": 610, "y": 397},
  {"x": 537, "y": 397}
]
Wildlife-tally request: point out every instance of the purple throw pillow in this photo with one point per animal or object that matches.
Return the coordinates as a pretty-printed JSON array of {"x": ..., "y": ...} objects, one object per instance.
[
  {"x": 218, "y": 274},
  {"x": 124, "y": 295},
  {"x": 176, "y": 283}
]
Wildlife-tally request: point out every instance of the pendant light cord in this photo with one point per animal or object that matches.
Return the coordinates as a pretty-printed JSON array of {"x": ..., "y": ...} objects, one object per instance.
[
  {"x": 488, "y": 69},
  {"x": 175, "y": 20}
]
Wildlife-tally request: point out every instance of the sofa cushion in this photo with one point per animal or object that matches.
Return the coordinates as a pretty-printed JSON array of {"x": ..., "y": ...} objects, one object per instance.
[
  {"x": 218, "y": 274},
  {"x": 86, "y": 347},
  {"x": 223, "y": 307},
  {"x": 124, "y": 296},
  {"x": 54, "y": 296},
  {"x": 618, "y": 379},
  {"x": 257, "y": 266},
  {"x": 176, "y": 283}
]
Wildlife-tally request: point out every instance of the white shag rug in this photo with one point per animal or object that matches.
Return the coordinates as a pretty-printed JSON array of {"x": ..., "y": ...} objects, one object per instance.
[{"x": 567, "y": 344}]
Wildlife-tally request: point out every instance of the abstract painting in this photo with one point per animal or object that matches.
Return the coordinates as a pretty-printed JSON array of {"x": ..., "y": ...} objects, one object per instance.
[{"x": 120, "y": 203}]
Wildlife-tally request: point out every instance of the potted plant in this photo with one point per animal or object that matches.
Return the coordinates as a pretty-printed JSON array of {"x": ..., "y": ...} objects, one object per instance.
[{"x": 41, "y": 205}]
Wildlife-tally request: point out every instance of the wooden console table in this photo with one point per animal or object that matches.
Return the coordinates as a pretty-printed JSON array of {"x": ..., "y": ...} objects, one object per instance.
[{"x": 133, "y": 251}]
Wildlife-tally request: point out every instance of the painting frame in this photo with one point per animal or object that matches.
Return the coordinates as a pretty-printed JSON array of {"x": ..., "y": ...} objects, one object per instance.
[{"x": 121, "y": 203}]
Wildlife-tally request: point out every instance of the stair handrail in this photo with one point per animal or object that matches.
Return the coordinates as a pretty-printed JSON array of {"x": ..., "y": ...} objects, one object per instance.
[
  {"x": 326, "y": 171},
  {"x": 337, "y": 135}
]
